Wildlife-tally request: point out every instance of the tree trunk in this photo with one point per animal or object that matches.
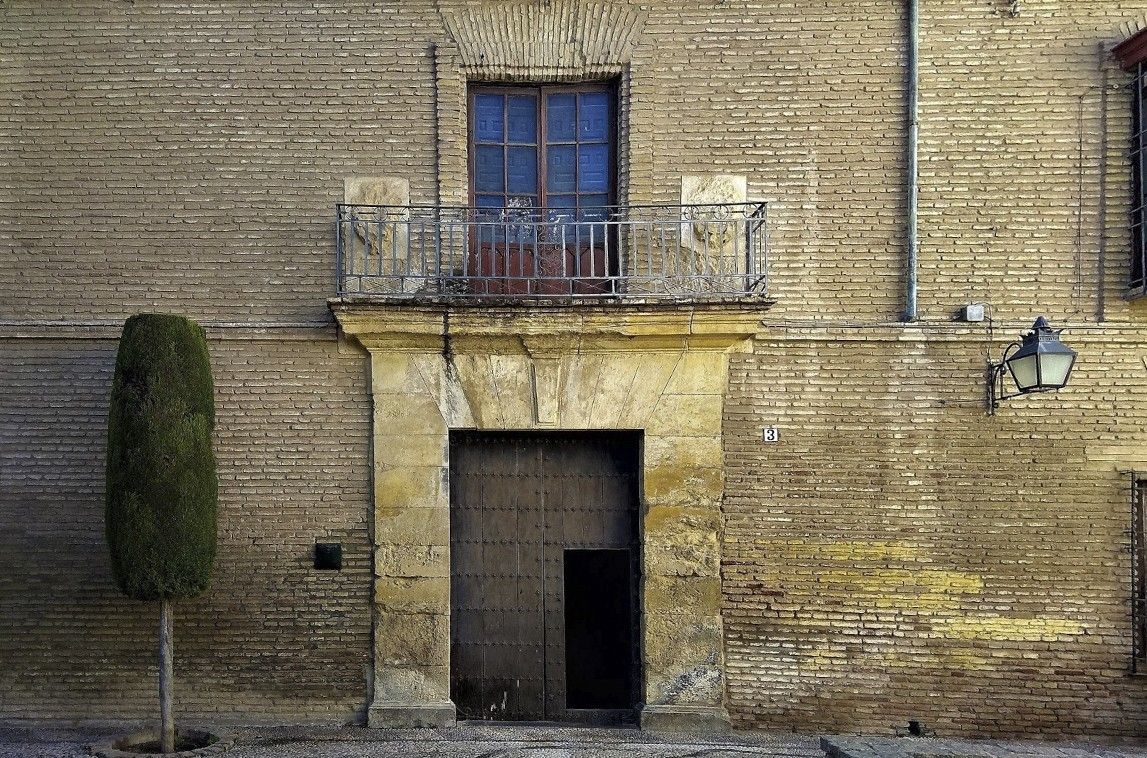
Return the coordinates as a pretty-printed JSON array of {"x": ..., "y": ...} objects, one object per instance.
[{"x": 166, "y": 717}]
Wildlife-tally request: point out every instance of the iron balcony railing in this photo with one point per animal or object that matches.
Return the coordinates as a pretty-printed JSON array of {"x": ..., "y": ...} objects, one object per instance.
[{"x": 652, "y": 251}]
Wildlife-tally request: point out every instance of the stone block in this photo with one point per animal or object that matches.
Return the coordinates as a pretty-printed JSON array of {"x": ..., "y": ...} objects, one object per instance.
[
  {"x": 376, "y": 190},
  {"x": 683, "y": 453},
  {"x": 672, "y": 485},
  {"x": 682, "y": 659},
  {"x": 412, "y": 561},
  {"x": 681, "y": 542},
  {"x": 411, "y": 450},
  {"x": 407, "y": 413},
  {"x": 401, "y": 715},
  {"x": 711, "y": 232},
  {"x": 393, "y": 372},
  {"x": 709, "y": 189},
  {"x": 580, "y": 379},
  {"x": 547, "y": 374},
  {"x": 700, "y": 373},
  {"x": 653, "y": 373},
  {"x": 701, "y": 684},
  {"x": 472, "y": 374},
  {"x": 380, "y": 232},
  {"x": 453, "y": 404},
  {"x": 412, "y": 685},
  {"x": 685, "y": 718},
  {"x": 511, "y": 382},
  {"x": 413, "y": 526},
  {"x": 686, "y": 416},
  {"x": 411, "y": 487},
  {"x": 700, "y": 557},
  {"x": 411, "y": 639},
  {"x": 684, "y": 594},
  {"x": 613, "y": 390},
  {"x": 413, "y": 595}
]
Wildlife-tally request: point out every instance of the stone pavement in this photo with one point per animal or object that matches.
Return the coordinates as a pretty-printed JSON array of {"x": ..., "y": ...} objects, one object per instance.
[
  {"x": 914, "y": 747},
  {"x": 477, "y": 741},
  {"x": 48, "y": 740}
]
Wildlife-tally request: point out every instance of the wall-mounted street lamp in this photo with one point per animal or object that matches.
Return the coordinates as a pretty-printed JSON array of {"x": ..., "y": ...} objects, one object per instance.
[{"x": 1040, "y": 363}]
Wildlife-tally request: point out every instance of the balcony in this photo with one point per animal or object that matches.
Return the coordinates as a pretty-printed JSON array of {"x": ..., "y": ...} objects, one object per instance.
[{"x": 686, "y": 253}]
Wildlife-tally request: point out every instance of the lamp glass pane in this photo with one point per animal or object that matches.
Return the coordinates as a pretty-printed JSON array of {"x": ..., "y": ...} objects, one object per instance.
[
  {"x": 1024, "y": 372},
  {"x": 1054, "y": 368}
]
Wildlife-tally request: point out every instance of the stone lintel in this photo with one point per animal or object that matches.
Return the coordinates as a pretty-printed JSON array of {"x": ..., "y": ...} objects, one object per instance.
[
  {"x": 411, "y": 715},
  {"x": 685, "y": 718},
  {"x": 548, "y": 330}
]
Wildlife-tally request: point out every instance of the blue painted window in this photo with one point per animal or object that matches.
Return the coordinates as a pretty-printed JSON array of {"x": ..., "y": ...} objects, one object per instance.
[
  {"x": 544, "y": 147},
  {"x": 561, "y": 118},
  {"x": 523, "y": 118},
  {"x": 489, "y": 116}
]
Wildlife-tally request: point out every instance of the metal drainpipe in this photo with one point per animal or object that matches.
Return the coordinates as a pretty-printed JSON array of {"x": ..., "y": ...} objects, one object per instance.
[{"x": 913, "y": 156}]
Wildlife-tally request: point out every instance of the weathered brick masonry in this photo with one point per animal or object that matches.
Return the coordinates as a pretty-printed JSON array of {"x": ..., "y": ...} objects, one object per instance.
[
  {"x": 897, "y": 555},
  {"x": 273, "y": 637},
  {"x": 901, "y": 556}
]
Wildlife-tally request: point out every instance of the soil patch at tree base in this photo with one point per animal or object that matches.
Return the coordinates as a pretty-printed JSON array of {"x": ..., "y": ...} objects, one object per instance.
[{"x": 188, "y": 743}]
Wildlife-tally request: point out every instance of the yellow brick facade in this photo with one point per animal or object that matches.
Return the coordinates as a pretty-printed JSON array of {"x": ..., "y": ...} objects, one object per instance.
[{"x": 897, "y": 555}]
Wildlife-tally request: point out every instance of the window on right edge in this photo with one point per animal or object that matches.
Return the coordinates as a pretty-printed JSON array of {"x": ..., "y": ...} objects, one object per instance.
[
  {"x": 1138, "y": 279},
  {"x": 1132, "y": 56},
  {"x": 1138, "y": 574}
]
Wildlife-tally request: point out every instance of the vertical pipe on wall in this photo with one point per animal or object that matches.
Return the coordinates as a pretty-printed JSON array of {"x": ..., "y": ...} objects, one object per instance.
[
  {"x": 1101, "y": 302},
  {"x": 913, "y": 157}
]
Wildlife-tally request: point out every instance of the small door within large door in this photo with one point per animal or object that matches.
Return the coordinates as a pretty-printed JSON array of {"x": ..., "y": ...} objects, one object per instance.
[{"x": 544, "y": 558}]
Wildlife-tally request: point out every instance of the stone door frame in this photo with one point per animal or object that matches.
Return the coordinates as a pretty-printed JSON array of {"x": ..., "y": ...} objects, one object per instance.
[{"x": 661, "y": 369}]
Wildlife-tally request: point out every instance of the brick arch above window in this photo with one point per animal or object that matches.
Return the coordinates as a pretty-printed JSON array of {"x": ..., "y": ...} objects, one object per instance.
[
  {"x": 542, "y": 41},
  {"x": 452, "y": 79},
  {"x": 568, "y": 41}
]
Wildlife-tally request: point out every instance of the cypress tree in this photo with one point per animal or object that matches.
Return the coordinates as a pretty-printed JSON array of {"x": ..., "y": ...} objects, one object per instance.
[{"x": 161, "y": 486}]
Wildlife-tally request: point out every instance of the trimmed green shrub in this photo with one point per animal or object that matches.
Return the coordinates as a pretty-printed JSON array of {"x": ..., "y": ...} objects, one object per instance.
[{"x": 161, "y": 486}]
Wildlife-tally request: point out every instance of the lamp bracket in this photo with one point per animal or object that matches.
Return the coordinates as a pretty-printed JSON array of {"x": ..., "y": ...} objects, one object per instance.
[{"x": 995, "y": 383}]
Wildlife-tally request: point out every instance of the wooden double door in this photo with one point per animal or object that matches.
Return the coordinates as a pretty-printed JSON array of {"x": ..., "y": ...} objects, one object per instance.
[{"x": 544, "y": 567}]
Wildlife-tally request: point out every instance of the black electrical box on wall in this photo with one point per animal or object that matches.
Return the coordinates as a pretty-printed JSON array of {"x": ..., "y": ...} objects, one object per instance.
[{"x": 329, "y": 556}]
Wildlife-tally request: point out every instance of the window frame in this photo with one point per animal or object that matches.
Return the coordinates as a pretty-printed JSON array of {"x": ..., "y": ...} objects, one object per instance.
[
  {"x": 541, "y": 91},
  {"x": 1137, "y": 271},
  {"x": 1138, "y": 573},
  {"x": 1131, "y": 55}
]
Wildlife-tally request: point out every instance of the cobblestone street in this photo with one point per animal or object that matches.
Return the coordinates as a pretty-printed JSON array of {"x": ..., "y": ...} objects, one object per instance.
[{"x": 23, "y": 740}]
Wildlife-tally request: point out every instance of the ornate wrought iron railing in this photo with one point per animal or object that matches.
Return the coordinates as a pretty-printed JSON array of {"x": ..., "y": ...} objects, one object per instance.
[{"x": 662, "y": 251}]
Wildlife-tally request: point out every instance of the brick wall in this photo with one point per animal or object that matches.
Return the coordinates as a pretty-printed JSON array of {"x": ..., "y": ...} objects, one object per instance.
[
  {"x": 900, "y": 555},
  {"x": 189, "y": 156},
  {"x": 272, "y": 637}
]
